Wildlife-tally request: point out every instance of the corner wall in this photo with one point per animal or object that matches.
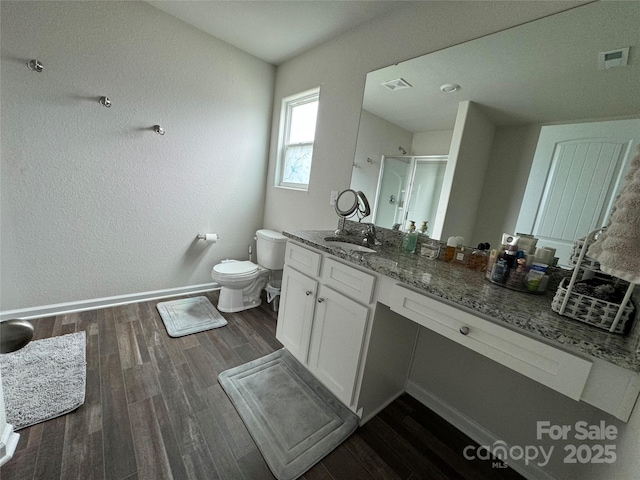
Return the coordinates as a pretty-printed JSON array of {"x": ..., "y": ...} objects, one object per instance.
[{"x": 94, "y": 203}]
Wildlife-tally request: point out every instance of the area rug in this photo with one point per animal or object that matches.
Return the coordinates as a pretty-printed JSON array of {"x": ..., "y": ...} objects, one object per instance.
[
  {"x": 189, "y": 315},
  {"x": 45, "y": 379},
  {"x": 294, "y": 419}
]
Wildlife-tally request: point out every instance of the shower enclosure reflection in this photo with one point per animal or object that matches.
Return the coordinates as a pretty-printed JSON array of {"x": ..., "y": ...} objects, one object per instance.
[{"x": 408, "y": 189}]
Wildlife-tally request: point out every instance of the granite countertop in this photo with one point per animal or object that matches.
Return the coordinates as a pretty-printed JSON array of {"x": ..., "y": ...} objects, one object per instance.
[{"x": 469, "y": 289}]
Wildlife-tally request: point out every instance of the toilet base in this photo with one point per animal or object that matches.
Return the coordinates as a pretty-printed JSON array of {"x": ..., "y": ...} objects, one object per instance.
[{"x": 238, "y": 299}]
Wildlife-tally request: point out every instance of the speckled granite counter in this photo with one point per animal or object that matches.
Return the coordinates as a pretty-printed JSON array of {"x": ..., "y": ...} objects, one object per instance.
[{"x": 469, "y": 289}]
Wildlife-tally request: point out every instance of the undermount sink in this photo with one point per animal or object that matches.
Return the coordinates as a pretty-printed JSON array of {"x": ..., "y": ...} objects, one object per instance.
[{"x": 350, "y": 247}]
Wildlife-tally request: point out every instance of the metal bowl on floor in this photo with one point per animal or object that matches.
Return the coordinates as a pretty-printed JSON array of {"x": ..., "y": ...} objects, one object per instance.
[{"x": 14, "y": 334}]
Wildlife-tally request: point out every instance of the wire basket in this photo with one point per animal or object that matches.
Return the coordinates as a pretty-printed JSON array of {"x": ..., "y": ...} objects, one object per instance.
[
  {"x": 591, "y": 310},
  {"x": 587, "y": 262}
]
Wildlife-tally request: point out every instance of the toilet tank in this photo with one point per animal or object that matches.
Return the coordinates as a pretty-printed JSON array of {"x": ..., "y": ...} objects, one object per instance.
[{"x": 270, "y": 247}]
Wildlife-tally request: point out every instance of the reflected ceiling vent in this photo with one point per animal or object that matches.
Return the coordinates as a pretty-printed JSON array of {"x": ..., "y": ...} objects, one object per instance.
[
  {"x": 613, "y": 58},
  {"x": 397, "y": 84}
]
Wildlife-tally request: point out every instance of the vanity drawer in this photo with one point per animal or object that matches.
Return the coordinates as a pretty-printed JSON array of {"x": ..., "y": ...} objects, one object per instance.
[
  {"x": 557, "y": 369},
  {"x": 302, "y": 259},
  {"x": 348, "y": 280}
]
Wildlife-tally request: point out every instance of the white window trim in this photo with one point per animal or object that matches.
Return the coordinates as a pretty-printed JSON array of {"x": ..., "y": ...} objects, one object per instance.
[{"x": 285, "y": 117}]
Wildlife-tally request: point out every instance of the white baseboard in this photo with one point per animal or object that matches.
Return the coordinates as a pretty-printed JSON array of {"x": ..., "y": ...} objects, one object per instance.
[
  {"x": 105, "y": 302},
  {"x": 8, "y": 442},
  {"x": 473, "y": 430}
]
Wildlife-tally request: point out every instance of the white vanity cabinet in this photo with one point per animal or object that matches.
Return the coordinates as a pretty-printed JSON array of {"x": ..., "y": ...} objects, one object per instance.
[
  {"x": 298, "y": 297},
  {"x": 356, "y": 332},
  {"x": 325, "y": 329},
  {"x": 337, "y": 342}
]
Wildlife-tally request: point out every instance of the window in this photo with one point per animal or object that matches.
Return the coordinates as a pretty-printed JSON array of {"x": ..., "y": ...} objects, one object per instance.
[{"x": 297, "y": 132}]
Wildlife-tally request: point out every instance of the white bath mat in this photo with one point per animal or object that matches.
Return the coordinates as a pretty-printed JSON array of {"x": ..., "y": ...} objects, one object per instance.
[
  {"x": 294, "y": 420},
  {"x": 189, "y": 315},
  {"x": 45, "y": 379}
]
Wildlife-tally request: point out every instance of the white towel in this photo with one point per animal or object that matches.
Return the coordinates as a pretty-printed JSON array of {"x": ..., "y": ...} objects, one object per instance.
[{"x": 618, "y": 247}]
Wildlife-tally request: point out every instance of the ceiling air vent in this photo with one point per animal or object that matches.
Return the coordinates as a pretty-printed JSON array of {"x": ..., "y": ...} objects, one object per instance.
[
  {"x": 397, "y": 84},
  {"x": 613, "y": 58}
]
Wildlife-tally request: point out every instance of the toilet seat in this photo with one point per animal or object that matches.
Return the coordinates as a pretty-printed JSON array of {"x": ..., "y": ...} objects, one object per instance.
[{"x": 236, "y": 268}]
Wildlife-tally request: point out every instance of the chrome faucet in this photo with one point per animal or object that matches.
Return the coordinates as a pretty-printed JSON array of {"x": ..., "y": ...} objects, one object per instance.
[{"x": 370, "y": 235}]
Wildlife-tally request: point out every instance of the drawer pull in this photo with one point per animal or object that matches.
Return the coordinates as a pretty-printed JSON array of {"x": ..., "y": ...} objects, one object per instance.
[
  {"x": 464, "y": 330},
  {"x": 308, "y": 292},
  {"x": 320, "y": 300}
]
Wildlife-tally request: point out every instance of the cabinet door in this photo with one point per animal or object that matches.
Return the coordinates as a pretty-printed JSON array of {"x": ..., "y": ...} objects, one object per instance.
[
  {"x": 337, "y": 342},
  {"x": 297, "y": 303}
]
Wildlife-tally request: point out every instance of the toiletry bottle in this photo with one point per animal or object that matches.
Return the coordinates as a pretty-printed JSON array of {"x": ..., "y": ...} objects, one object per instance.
[
  {"x": 535, "y": 276},
  {"x": 493, "y": 257},
  {"x": 410, "y": 239},
  {"x": 509, "y": 255},
  {"x": 424, "y": 227},
  {"x": 518, "y": 273},
  {"x": 479, "y": 257},
  {"x": 462, "y": 255},
  {"x": 500, "y": 271},
  {"x": 450, "y": 251}
]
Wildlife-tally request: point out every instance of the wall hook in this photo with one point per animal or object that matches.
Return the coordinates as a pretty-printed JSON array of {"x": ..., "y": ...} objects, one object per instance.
[
  {"x": 105, "y": 102},
  {"x": 35, "y": 65},
  {"x": 370, "y": 161},
  {"x": 158, "y": 129},
  {"x": 404, "y": 152}
]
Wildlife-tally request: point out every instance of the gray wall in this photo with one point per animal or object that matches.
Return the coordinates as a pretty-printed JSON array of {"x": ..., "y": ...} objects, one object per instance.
[
  {"x": 94, "y": 203},
  {"x": 505, "y": 182},
  {"x": 508, "y": 405}
]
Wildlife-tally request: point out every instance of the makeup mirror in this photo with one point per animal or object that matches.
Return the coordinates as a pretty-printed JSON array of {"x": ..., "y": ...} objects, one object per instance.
[{"x": 346, "y": 203}]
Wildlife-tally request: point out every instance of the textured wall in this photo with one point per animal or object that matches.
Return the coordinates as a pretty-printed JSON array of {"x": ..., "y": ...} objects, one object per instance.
[{"x": 94, "y": 203}]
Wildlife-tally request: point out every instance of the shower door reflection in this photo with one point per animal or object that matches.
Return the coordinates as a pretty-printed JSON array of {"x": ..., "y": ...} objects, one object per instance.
[{"x": 408, "y": 189}]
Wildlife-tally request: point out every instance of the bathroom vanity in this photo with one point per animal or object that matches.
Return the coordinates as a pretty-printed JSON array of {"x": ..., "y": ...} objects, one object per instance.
[{"x": 353, "y": 319}]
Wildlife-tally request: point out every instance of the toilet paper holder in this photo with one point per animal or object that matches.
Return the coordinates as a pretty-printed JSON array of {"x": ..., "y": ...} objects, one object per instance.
[{"x": 203, "y": 236}]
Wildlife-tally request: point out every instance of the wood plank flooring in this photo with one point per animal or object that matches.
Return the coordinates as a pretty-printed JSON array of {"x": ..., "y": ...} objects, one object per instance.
[{"x": 154, "y": 410}]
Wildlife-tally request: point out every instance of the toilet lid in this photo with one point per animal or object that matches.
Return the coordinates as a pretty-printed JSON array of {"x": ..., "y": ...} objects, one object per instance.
[{"x": 236, "y": 268}]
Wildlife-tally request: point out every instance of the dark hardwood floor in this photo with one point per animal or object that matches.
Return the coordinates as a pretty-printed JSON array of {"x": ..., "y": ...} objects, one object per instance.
[{"x": 154, "y": 410}]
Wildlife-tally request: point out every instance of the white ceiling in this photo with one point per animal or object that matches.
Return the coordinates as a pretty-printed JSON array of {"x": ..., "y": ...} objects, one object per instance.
[{"x": 276, "y": 31}]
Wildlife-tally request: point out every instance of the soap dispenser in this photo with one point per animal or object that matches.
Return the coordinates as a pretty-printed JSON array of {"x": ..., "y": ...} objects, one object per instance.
[{"x": 410, "y": 239}]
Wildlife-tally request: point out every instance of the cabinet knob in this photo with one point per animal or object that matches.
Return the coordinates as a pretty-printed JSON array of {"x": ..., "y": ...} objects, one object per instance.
[
  {"x": 308, "y": 292},
  {"x": 464, "y": 330},
  {"x": 320, "y": 300}
]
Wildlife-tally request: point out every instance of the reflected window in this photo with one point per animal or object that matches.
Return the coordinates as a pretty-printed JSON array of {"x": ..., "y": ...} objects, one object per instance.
[{"x": 297, "y": 133}]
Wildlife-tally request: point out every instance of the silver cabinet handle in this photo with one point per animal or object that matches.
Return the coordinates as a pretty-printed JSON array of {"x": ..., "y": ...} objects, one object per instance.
[
  {"x": 464, "y": 330},
  {"x": 320, "y": 300},
  {"x": 308, "y": 292}
]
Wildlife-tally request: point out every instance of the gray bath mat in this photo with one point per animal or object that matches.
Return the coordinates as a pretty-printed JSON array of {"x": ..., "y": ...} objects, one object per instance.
[
  {"x": 294, "y": 420},
  {"x": 45, "y": 379},
  {"x": 189, "y": 315}
]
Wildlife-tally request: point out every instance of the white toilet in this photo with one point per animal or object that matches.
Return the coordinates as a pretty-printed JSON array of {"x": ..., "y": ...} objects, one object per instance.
[{"x": 243, "y": 281}]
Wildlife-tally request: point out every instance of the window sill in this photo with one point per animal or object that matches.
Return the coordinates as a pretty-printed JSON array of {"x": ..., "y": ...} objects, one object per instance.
[{"x": 295, "y": 189}]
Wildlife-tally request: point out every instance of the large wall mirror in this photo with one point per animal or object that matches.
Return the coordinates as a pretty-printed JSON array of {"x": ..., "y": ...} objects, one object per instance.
[{"x": 540, "y": 116}]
